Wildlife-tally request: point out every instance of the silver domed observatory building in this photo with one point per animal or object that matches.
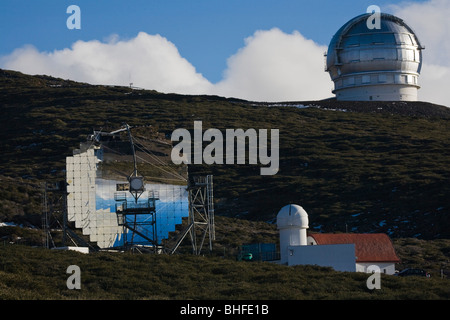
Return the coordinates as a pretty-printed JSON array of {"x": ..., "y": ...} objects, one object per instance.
[{"x": 375, "y": 64}]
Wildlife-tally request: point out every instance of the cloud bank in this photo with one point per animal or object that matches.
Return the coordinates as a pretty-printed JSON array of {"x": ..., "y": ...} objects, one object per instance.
[
  {"x": 271, "y": 66},
  {"x": 149, "y": 61},
  {"x": 277, "y": 66},
  {"x": 430, "y": 21}
]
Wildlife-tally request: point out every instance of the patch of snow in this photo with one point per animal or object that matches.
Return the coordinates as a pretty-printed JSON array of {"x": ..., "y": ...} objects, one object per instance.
[
  {"x": 302, "y": 106},
  {"x": 7, "y": 224}
]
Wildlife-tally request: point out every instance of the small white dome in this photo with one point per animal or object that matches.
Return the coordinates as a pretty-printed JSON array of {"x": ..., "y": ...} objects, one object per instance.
[{"x": 292, "y": 215}]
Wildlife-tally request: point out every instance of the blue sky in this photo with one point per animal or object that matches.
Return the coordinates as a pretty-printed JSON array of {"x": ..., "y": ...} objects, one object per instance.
[{"x": 206, "y": 33}]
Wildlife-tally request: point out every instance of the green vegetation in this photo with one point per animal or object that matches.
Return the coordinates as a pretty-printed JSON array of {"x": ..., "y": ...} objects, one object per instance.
[
  {"x": 361, "y": 167},
  {"x": 36, "y": 273},
  {"x": 379, "y": 167}
]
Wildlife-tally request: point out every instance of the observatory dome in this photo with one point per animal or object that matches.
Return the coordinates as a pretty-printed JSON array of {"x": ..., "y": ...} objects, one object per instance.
[
  {"x": 292, "y": 215},
  {"x": 375, "y": 64}
]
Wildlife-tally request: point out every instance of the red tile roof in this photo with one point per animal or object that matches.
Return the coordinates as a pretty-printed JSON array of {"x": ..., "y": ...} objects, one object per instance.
[{"x": 369, "y": 247}]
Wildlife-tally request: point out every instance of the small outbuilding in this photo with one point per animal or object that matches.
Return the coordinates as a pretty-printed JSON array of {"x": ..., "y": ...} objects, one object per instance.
[
  {"x": 342, "y": 251},
  {"x": 370, "y": 249}
]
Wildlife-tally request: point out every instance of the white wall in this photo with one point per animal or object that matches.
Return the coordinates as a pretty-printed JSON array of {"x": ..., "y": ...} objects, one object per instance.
[
  {"x": 79, "y": 249},
  {"x": 378, "y": 93},
  {"x": 293, "y": 236},
  {"x": 340, "y": 257}
]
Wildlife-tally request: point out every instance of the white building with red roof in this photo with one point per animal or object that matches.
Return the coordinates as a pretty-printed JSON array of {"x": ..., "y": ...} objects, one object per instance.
[
  {"x": 370, "y": 249},
  {"x": 342, "y": 251}
]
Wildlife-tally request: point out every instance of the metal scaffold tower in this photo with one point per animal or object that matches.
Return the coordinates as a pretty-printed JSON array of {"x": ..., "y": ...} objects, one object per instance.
[
  {"x": 54, "y": 208},
  {"x": 129, "y": 212},
  {"x": 201, "y": 214}
]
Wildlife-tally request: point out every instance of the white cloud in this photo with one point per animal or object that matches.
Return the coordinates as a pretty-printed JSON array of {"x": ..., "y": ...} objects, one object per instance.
[
  {"x": 149, "y": 61},
  {"x": 276, "y": 66},
  {"x": 430, "y": 20},
  {"x": 271, "y": 66}
]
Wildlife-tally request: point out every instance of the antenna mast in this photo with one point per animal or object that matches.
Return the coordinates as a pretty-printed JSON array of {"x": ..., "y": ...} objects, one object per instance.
[{"x": 136, "y": 181}]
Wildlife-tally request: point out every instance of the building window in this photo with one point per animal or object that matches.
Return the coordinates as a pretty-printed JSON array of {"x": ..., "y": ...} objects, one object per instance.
[
  {"x": 382, "y": 78},
  {"x": 365, "y": 79},
  {"x": 349, "y": 81}
]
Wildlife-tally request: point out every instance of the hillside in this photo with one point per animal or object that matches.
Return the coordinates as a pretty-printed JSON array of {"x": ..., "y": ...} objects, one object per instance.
[
  {"x": 39, "y": 274},
  {"x": 357, "y": 167}
]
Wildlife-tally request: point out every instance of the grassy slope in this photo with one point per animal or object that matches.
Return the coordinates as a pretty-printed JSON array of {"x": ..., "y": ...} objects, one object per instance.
[
  {"x": 381, "y": 167},
  {"x": 388, "y": 164},
  {"x": 35, "y": 273}
]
